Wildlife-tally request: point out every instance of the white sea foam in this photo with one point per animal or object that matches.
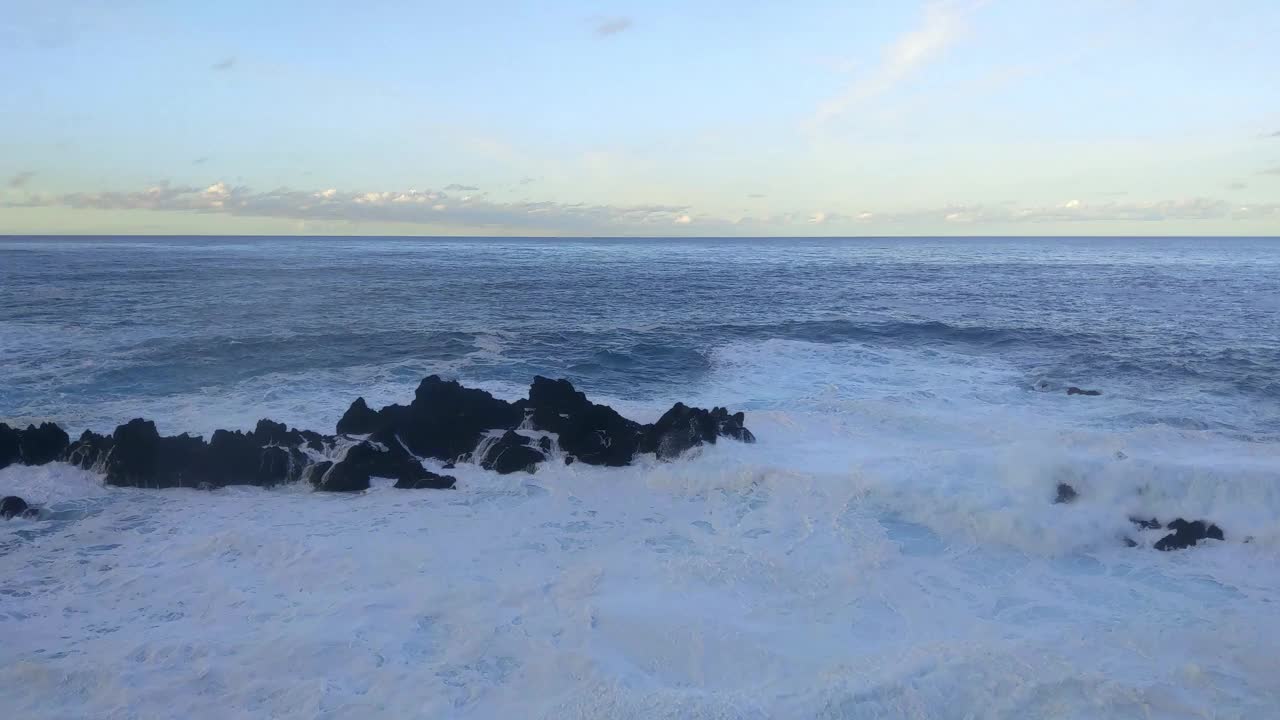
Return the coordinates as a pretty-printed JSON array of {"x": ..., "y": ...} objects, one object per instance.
[{"x": 887, "y": 549}]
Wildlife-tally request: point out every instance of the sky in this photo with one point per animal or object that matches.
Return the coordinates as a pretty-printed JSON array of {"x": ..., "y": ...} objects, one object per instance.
[{"x": 746, "y": 118}]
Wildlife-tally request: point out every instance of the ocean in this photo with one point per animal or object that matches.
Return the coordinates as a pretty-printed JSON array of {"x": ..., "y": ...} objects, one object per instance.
[{"x": 889, "y": 547}]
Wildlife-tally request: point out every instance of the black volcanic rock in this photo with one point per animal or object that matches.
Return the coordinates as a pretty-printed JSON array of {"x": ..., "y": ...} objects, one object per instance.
[
  {"x": 367, "y": 459},
  {"x": 359, "y": 419},
  {"x": 43, "y": 444},
  {"x": 314, "y": 474},
  {"x": 89, "y": 451},
  {"x": 427, "y": 480},
  {"x": 594, "y": 434},
  {"x": 10, "y": 445},
  {"x": 1066, "y": 494},
  {"x": 1073, "y": 390},
  {"x": 14, "y": 506},
  {"x": 1186, "y": 534},
  {"x": 682, "y": 428},
  {"x": 446, "y": 420},
  {"x": 511, "y": 453}
]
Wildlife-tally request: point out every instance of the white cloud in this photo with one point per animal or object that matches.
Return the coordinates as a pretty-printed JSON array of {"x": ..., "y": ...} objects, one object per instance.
[
  {"x": 428, "y": 207},
  {"x": 941, "y": 23}
]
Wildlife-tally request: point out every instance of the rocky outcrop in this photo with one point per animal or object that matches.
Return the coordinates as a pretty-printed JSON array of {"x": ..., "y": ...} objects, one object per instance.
[
  {"x": 1187, "y": 533},
  {"x": 1073, "y": 390},
  {"x": 445, "y": 422},
  {"x": 682, "y": 428},
  {"x": 33, "y": 446}
]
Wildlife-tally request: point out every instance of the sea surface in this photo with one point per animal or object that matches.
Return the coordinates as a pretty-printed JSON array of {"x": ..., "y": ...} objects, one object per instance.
[{"x": 889, "y": 547}]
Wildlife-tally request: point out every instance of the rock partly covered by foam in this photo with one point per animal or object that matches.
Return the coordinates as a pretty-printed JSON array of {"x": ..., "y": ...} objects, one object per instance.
[
  {"x": 1187, "y": 533},
  {"x": 14, "y": 506},
  {"x": 445, "y": 421},
  {"x": 682, "y": 428},
  {"x": 512, "y": 452}
]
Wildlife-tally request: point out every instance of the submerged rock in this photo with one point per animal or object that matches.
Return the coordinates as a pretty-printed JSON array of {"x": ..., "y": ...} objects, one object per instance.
[
  {"x": 1186, "y": 534},
  {"x": 1066, "y": 494},
  {"x": 1073, "y": 390},
  {"x": 14, "y": 506},
  {"x": 1152, "y": 524}
]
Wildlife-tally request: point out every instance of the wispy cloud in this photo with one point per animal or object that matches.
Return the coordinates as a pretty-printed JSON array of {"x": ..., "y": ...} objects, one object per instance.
[
  {"x": 942, "y": 22},
  {"x": 455, "y": 187},
  {"x": 604, "y": 27},
  {"x": 200, "y": 160},
  {"x": 21, "y": 179},
  {"x": 1237, "y": 185},
  {"x": 225, "y": 64},
  {"x": 1077, "y": 211},
  {"x": 429, "y": 207},
  {"x": 1272, "y": 171}
]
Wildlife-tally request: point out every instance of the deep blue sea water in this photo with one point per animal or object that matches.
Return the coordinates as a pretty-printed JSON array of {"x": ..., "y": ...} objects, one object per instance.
[{"x": 888, "y": 548}]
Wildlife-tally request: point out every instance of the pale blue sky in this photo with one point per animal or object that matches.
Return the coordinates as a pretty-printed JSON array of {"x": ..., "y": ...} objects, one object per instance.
[{"x": 705, "y": 118}]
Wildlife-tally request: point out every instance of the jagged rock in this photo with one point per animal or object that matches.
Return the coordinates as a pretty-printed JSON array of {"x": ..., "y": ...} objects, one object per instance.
[
  {"x": 444, "y": 421},
  {"x": 359, "y": 419},
  {"x": 1187, "y": 534},
  {"x": 89, "y": 451},
  {"x": 1073, "y": 390},
  {"x": 682, "y": 428},
  {"x": 1066, "y": 494},
  {"x": 512, "y": 453},
  {"x": 43, "y": 444},
  {"x": 14, "y": 506},
  {"x": 10, "y": 445},
  {"x": 594, "y": 434}
]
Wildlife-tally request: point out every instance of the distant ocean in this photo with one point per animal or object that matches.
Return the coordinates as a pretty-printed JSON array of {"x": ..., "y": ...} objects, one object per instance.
[{"x": 888, "y": 548}]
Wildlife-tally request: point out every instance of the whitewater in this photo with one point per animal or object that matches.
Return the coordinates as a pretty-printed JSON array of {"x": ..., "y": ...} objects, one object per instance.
[{"x": 889, "y": 547}]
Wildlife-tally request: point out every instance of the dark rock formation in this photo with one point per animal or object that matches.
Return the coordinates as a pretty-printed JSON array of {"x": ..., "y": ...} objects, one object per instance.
[
  {"x": 14, "y": 506},
  {"x": 1186, "y": 534},
  {"x": 682, "y": 428},
  {"x": 44, "y": 444},
  {"x": 10, "y": 445},
  {"x": 33, "y": 446},
  {"x": 1152, "y": 524},
  {"x": 1066, "y": 494},
  {"x": 511, "y": 453},
  {"x": 359, "y": 419},
  {"x": 445, "y": 421},
  {"x": 90, "y": 451},
  {"x": 367, "y": 459},
  {"x": 594, "y": 434},
  {"x": 1073, "y": 390}
]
